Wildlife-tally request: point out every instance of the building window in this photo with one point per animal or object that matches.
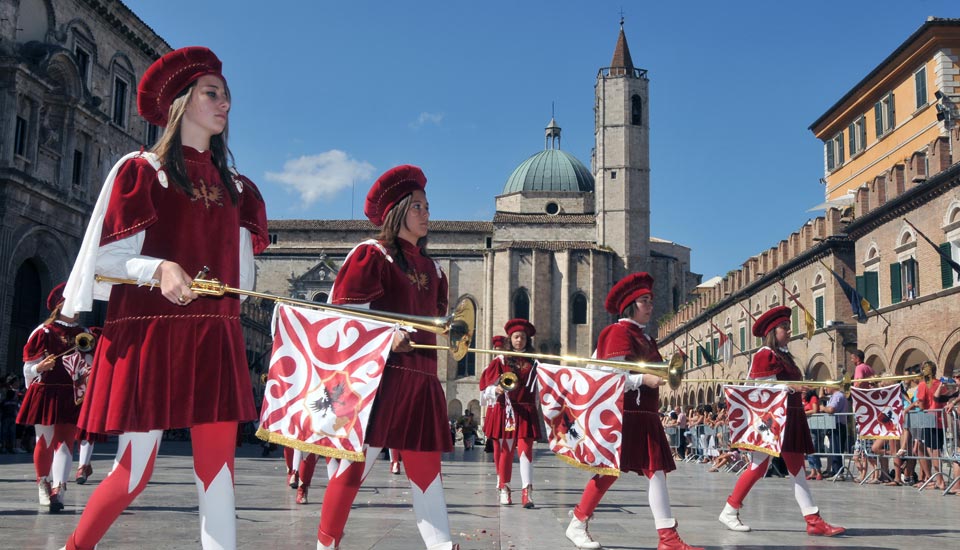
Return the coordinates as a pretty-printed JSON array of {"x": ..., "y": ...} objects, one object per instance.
[
  {"x": 488, "y": 241},
  {"x": 868, "y": 286},
  {"x": 521, "y": 305},
  {"x": 321, "y": 297},
  {"x": 857, "y": 134},
  {"x": 794, "y": 321},
  {"x": 20, "y": 138},
  {"x": 77, "y": 168},
  {"x": 884, "y": 115},
  {"x": 579, "y": 313},
  {"x": 920, "y": 84},
  {"x": 273, "y": 238},
  {"x": 552, "y": 208},
  {"x": 83, "y": 64},
  {"x": 119, "y": 102},
  {"x": 904, "y": 281},
  {"x": 948, "y": 276},
  {"x": 818, "y": 308},
  {"x": 613, "y": 174},
  {"x": 834, "y": 151},
  {"x": 153, "y": 132},
  {"x": 743, "y": 338},
  {"x": 636, "y": 110}
]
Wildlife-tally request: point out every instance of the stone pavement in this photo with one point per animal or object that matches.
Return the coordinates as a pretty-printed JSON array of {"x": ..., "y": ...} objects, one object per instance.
[{"x": 165, "y": 515}]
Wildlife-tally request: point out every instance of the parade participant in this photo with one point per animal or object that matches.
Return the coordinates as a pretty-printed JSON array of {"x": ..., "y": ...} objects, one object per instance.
[
  {"x": 393, "y": 273},
  {"x": 49, "y": 403},
  {"x": 167, "y": 358},
  {"x": 774, "y": 362},
  {"x": 87, "y": 443},
  {"x": 497, "y": 343},
  {"x": 645, "y": 448},
  {"x": 394, "y": 461},
  {"x": 300, "y": 468},
  {"x": 512, "y": 420}
]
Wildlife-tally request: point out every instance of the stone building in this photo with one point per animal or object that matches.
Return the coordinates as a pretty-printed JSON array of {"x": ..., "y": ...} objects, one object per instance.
[
  {"x": 889, "y": 162},
  {"x": 561, "y": 236}
]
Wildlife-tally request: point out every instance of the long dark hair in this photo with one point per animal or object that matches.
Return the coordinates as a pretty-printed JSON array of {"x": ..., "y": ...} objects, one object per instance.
[
  {"x": 170, "y": 148},
  {"x": 390, "y": 232}
]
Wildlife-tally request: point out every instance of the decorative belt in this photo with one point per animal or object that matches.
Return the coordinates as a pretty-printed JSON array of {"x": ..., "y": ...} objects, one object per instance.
[{"x": 408, "y": 369}]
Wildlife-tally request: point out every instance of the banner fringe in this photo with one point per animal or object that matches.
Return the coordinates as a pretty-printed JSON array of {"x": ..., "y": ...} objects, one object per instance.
[
  {"x": 757, "y": 448},
  {"x": 594, "y": 469},
  {"x": 330, "y": 452}
]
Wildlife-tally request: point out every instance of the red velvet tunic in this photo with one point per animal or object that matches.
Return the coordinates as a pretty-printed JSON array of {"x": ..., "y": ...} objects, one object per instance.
[
  {"x": 49, "y": 400},
  {"x": 796, "y": 436},
  {"x": 410, "y": 411},
  {"x": 158, "y": 365},
  {"x": 523, "y": 399},
  {"x": 645, "y": 445}
]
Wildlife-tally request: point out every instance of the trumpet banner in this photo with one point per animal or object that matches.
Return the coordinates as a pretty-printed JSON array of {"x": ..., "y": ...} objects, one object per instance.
[
  {"x": 78, "y": 369},
  {"x": 879, "y": 412},
  {"x": 583, "y": 412},
  {"x": 756, "y": 417},
  {"x": 325, "y": 370}
]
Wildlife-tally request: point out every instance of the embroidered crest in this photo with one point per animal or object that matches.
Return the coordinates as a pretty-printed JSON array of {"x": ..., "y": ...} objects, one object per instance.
[
  {"x": 419, "y": 280},
  {"x": 209, "y": 194}
]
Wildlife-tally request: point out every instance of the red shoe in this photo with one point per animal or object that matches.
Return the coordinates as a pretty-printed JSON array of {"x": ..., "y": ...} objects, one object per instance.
[
  {"x": 56, "y": 498},
  {"x": 293, "y": 479},
  {"x": 818, "y": 477},
  {"x": 670, "y": 540},
  {"x": 302, "y": 495},
  {"x": 528, "y": 496},
  {"x": 819, "y": 528},
  {"x": 83, "y": 472}
]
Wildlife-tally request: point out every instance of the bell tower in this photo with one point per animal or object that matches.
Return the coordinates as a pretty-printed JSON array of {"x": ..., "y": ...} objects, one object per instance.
[{"x": 621, "y": 160}]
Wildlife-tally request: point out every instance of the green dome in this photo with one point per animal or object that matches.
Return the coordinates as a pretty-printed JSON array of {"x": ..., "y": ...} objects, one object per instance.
[{"x": 550, "y": 170}]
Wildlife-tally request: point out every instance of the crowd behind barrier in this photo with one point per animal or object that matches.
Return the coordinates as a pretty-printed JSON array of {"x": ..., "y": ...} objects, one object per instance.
[{"x": 926, "y": 456}]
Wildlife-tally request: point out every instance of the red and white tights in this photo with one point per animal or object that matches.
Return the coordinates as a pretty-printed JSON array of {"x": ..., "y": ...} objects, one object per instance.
[
  {"x": 657, "y": 496},
  {"x": 214, "y": 446},
  {"x": 503, "y": 457},
  {"x": 426, "y": 485},
  {"x": 758, "y": 469},
  {"x": 53, "y": 453}
]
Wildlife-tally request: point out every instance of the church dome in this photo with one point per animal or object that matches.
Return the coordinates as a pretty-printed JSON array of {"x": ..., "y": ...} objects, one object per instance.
[{"x": 550, "y": 170}]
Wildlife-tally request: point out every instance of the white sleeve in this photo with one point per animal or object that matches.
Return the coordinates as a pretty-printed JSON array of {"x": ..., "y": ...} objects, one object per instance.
[
  {"x": 248, "y": 271},
  {"x": 776, "y": 387},
  {"x": 633, "y": 381},
  {"x": 122, "y": 259},
  {"x": 30, "y": 373},
  {"x": 488, "y": 396}
]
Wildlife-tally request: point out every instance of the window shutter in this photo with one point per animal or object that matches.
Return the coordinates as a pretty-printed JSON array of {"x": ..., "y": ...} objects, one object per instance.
[
  {"x": 878, "y": 117},
  {"x": 840, "y": 157},
  {"x": 743, "y": 338},
  {"x": 871, "y": 284},
  {"x": 861, "y": 284},
  {"x": 946, "y": 272},
  {"x": 829, "y": 148},
  {"x": 818, "y": 305},
  {"x": 863, "y": 132},
  {"x": 795, "y": 320},
  {"x": 896, "y": 291},
  {"x": 891, "y": 113}
]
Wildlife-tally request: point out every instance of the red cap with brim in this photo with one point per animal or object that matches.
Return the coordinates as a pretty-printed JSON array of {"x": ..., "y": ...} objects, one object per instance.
[
  {"x": 171, "y": 74},
  {"x": 55, "y": 298},
  {"x": 498, "y": 340},
  {"x": 395, "y": 184},
  {"x": 627, "y": 290},
  {"x": 513, "y": 325},
  {"x": 769, "y": 320}
]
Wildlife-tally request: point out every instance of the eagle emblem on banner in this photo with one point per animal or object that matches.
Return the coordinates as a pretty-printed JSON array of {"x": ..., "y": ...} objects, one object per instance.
[
  {"x": 325, "y": 370},
  {"x": 583, "y": 413},
  {"x": 756, "y": 417},
  {"x": 878, "y": 411}
]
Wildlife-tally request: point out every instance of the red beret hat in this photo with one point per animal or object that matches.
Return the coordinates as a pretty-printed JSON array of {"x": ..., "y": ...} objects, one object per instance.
[
  {"x": 55, "y": 298},
  {"x": 513, "y": 325},
  {"x": 498, "y": 340},
  {"x": 395, "y": 184},
  {"x": 627, "y": 290},
  {"x": 170, "y": 75},
  {"x": 769, "y": 320}
]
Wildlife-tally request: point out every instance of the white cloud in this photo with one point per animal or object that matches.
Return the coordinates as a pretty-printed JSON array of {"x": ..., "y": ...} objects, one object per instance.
[
  {"x": 322, "y": 175},
  {"x": 427, "y": 118}
]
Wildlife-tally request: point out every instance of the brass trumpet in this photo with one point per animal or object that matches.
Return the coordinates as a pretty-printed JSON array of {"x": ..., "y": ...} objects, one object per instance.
[
  {"x": 82, "y": 342},
  {"x": 508, "y": 381},
  {"x": 844, "y": 384},
  {"x": 458, "y": 326}
]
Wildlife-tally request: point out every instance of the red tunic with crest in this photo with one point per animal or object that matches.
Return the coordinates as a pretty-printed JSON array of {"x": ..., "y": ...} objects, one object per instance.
[
  {"x": 523, "y": 399},
  {"x": 49, "y": 400},
  {"x": 796, "y": 435},
  {"x": 410, "y": 411},
  {"x": 158, "y": 365},
  {"x": 645, "y": 446}
]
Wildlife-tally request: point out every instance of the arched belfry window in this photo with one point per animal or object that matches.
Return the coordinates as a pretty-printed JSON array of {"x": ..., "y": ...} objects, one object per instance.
[
  {"x": 579, "y": 309},
  {"x": 521, "y": 304},
  {"x": 636, "y": 110}
]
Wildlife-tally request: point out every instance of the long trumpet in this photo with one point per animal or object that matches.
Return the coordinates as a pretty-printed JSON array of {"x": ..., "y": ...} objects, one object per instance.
[
  {"x": 673, "y": 369},
  {"x": 458, "y": 326},
  {"x": 843, "y": 384}
]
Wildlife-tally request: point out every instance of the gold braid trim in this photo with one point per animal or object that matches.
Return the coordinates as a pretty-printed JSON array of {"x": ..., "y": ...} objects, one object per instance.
[
  {"x": 757, "y": 448},
  {"x": 888, "y": 437},
  {"x": 593, "y": 469},
  {"x": 331, "y": 452}
]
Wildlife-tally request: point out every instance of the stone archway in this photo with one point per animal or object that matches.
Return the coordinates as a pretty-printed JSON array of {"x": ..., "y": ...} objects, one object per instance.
[
  {"x": 26, "y": 311},
  {"x": 874, "y": 356},
  {"x": 454, "y": 409},
  {"x": 950, "y": 354},
  {"x": 819, "y": 371},
  {"x": 912, "y": 351}
]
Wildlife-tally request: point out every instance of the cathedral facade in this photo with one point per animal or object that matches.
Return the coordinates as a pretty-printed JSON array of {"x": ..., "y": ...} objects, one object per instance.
[{"x": 561, "y": 236}]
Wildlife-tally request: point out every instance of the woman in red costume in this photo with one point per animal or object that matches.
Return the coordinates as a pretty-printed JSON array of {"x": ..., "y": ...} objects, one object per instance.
[
  {"x": 774, "y": 362},
  {"x": 645, "y": 449},
  {"x": 512, "y": 420},
  {"x": 168, "y": 358},
  {"x": 49, "y": 403},
  {"x": 394, "y": 273}
]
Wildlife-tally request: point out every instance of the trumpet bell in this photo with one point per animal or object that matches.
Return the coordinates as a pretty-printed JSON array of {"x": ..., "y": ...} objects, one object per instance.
[
  {"x": 84, "y": 342},
  {"x": 460, "y": 327},
  {"x": 675, "y": 371},
  {"x": 508, "y": 381}
]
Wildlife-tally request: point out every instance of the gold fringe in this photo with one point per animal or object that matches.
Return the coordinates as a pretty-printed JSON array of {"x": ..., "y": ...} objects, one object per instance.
[
  {"x": 757, "y": 448},
  {"x": 887, "y": 437},
  {"x": 593, "y": 469},
  {"x": 331, "y": 452}
]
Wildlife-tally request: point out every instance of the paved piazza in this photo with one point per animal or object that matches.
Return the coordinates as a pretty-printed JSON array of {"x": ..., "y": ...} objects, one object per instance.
[{"x": 165, "y": 515}]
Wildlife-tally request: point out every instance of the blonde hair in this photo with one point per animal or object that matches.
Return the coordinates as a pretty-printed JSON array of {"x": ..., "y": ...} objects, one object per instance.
[{"x": 390, "y": 231}]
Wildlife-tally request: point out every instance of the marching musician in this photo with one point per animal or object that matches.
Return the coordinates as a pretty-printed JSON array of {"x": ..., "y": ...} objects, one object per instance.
[
  {"x": 52, "y": 364},
  {"x": 167, "y": 359},
  {"x": 393, "y": 273},
  {"x": 774, "y": 362},
  {"x": 645, "y": 448},
  {"x": 512, "y": 420}
]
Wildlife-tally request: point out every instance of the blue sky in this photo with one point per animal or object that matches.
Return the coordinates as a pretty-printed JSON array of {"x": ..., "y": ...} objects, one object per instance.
[{"x": 329, "y": 94}]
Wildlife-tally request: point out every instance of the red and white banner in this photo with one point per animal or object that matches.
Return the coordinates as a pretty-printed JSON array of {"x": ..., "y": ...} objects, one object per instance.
[
  {"x": 756, "y": 416},
  {"x": 879, "y": 412},
  {"x": 78, "y": 369},
  {"x": 583, "y": 412},
  {"x": 324, "y": 374}
]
